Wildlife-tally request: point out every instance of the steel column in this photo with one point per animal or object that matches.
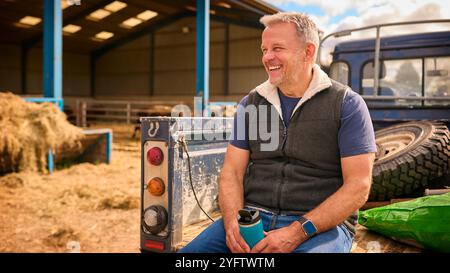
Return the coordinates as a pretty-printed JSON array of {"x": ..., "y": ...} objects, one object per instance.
[
  {"x": 52, "y": 49},
  {"x": 202, "y": 57}
]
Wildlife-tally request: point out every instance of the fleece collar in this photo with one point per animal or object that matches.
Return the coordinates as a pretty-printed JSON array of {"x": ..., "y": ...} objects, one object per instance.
[{"x": 320, "y": 81}]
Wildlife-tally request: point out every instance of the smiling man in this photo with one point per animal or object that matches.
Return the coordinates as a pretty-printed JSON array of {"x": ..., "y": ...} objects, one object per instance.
[{"x": 308, "y": 189}]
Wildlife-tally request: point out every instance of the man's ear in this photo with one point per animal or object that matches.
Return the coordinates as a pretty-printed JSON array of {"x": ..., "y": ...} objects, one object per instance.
[{"x": 310, "y": 50}]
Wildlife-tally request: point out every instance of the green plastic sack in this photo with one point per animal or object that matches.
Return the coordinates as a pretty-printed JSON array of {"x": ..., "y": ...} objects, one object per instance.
[{"x": 424, "y": 221}]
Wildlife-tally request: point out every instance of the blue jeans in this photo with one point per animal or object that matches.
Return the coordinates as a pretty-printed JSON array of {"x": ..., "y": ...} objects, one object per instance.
[{"x": 212, "y": 239}]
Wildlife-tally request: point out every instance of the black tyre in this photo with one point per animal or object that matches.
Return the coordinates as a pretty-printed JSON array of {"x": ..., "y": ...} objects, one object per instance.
[{"x": 409, "y": 157}]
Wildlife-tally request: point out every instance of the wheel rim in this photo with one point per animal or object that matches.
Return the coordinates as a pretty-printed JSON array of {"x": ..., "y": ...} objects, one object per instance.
[{"x": 393, "y": 143}]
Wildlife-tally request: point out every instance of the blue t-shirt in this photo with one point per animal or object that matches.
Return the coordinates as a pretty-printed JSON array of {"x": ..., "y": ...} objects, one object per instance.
[
  {"x": 356, "y": 134},
  {"x": 287, "y": 106}
]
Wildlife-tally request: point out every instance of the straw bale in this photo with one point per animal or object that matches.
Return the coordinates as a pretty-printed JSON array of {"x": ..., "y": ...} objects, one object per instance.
[
  {"x": 12, "y": 180},
  {"x": 29, "y": 130}
]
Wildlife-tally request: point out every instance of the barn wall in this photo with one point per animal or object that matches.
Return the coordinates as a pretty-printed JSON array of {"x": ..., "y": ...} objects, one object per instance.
[{"x": 75, "y": 72}]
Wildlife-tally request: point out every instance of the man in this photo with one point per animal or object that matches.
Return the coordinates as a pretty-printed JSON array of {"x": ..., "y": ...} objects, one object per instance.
[{"x": 309, "y": 188}]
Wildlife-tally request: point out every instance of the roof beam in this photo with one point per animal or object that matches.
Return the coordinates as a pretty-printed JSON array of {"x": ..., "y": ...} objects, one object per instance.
[
  {"x": 134, "y": 35},
  {"x": 264, "y": 5},
  {"x": 247, "y": 7},
  {"x": 35, "y": 39},
  {"x": 243, "y": 23},
  {"x": 162, "y": 7}
]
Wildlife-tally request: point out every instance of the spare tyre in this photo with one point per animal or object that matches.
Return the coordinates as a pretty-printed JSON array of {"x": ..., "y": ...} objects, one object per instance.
[{"x": 409, "y": 156}]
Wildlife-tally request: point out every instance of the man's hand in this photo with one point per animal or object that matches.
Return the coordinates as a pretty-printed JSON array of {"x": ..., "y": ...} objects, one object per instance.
[
  {"x": 283, "y": 240},
  {"x": 234, "y": 240}
]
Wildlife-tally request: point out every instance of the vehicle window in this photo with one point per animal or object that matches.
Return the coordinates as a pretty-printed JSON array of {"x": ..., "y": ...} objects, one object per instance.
[
  {"x": 397, "y": 78},
  {"x": 339, "y": 72},
  {"x": 437, "y": 79}
]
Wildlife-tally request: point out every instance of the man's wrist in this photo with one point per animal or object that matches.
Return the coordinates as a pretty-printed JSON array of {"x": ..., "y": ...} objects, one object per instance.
[
  {"x": 298, "y": 232},
  {"x": 230, "y": 218}
]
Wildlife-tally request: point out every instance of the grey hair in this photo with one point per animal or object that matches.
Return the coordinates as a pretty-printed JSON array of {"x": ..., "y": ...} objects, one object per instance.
[{"x": 306, "y": 28}]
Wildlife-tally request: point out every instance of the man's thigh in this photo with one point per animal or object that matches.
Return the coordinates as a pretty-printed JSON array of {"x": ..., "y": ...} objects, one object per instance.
[
  {"x": 336, "y": 240},
  {"x": 211, "y": 240}
]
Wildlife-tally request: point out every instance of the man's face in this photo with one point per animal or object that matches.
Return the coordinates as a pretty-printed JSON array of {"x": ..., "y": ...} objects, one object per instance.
[{"x": 283, "y": 56}]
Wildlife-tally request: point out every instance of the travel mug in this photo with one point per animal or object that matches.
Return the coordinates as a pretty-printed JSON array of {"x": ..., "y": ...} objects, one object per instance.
[{"x": 250, "y": 226}]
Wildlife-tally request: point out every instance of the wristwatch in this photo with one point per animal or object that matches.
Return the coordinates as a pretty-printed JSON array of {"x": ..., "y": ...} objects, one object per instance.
[{"x": 308, "y": 227}]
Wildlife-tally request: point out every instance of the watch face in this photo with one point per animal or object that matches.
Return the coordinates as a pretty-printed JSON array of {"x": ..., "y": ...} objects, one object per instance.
[{"x": 309, "y": 228}]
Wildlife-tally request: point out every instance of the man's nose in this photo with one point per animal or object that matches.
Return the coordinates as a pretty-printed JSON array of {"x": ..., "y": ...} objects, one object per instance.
[{"x": 268, "y": 56}]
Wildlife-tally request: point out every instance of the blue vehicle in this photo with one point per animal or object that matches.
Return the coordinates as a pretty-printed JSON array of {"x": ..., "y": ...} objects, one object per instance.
[
  {"x": 405, "y": 82},
  {"x": 412, "y": 81}
]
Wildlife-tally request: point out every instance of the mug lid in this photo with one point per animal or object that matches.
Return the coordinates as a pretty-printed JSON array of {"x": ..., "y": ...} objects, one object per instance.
[{"x": 248, "y": 216}]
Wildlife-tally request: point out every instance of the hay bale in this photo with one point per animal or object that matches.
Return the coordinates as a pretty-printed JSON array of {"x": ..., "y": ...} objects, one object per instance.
[
  {"x": 12, "y": 180},
  {"x": 119, "y": 201},
  {"x": 29, "y": 130},
  {"x": 60, "y": 236}
]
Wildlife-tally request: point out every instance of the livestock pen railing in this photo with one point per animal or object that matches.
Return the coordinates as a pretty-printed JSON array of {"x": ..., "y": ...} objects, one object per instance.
[{"x": 83, "y": 111}]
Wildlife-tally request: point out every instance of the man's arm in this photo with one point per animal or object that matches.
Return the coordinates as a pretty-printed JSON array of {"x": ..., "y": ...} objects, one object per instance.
[
  {"x": 231, "y": 195},
  {"x": 357, "y": 175}
]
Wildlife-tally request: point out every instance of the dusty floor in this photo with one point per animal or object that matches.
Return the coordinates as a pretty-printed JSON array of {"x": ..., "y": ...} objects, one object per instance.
[{"x": 94, "y": 208}]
